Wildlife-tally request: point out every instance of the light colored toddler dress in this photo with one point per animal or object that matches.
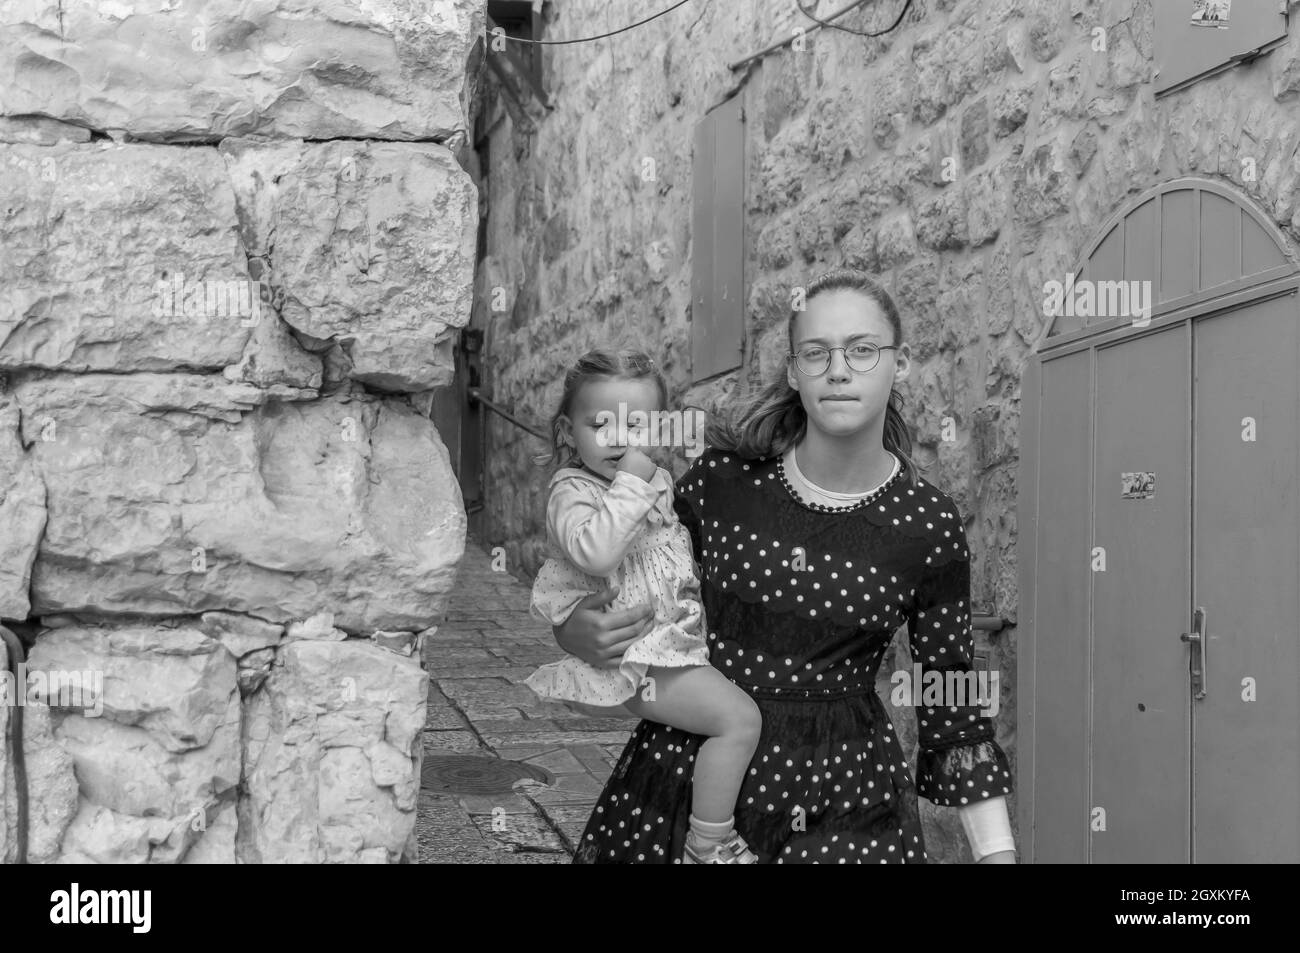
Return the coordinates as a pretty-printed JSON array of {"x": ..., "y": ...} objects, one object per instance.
[{"x": 623, "y": 532}]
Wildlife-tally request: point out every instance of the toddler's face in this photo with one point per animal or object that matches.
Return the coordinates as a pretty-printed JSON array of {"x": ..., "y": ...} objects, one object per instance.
[{"x": 600, "y": 440}]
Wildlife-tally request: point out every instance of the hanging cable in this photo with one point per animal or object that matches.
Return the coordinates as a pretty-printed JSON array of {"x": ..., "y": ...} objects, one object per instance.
[
  {"x": 820, "y": 24},
  {"x": 602, "y": 36},
  {"x": 16, "y": 656},
  {"x": 843, "y": 29}
]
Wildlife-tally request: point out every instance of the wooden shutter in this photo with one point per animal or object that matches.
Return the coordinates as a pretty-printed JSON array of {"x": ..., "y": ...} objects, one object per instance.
[{"x": 718, "y": 242}]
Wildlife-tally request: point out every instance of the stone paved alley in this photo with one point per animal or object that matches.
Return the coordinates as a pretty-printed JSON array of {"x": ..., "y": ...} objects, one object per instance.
[{"x": 478, "y": 705}]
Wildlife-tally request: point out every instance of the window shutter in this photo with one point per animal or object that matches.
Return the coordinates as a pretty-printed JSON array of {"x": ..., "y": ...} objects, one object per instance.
[{"x": 718, "y": 242}]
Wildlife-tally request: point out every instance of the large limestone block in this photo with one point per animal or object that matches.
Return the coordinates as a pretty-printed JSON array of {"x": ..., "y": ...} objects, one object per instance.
[
  {"x": 93, "y": 233},
  {"x": 157, "y": 754},
  {"x": 370, "y": 245},
  {"x": 174, "y": 493},
  {"x": 22, "y": 515},
  {"x": 331, "y": 755},
  {"x": 198, "y": 70},
  {"x": 171, "y": 682}
]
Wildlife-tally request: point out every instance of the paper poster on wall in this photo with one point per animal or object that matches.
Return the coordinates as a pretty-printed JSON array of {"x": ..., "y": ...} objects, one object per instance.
[
  {"x": 1138, "y": 486},
  {"x": 1211, "y": 13}
]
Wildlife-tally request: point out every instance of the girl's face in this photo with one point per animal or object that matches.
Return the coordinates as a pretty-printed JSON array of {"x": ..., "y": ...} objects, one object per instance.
[
  {"x": 601, "y": 442},
  {"x": 842, "y": 401}
]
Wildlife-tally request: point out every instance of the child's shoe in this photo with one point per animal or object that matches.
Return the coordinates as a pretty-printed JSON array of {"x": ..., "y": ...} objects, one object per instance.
[{"x": 732, "y": 849}]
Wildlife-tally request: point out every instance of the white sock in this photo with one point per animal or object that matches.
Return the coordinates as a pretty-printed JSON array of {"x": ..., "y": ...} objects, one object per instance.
[{"x": 711, "y": 832}]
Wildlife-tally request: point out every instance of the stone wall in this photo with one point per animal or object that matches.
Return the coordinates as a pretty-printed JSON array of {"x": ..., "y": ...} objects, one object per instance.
[
  {"x": 239, "y": 245},
  {"x": 849, "y": 145}
]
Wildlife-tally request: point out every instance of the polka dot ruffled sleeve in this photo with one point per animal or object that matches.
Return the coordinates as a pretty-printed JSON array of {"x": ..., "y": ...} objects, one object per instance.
[{"x": 959, "y": 761}]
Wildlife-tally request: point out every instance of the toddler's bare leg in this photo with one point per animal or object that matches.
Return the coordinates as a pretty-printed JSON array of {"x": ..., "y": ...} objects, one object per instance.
[{"x": 701, "y": 700}]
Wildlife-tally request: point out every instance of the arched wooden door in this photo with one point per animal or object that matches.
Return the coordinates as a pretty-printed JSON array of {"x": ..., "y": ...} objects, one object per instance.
[{"x": 1159, "y": 505}]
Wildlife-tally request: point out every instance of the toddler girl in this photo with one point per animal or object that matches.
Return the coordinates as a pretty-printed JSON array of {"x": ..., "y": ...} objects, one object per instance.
[{"x": 610, "y": 521}]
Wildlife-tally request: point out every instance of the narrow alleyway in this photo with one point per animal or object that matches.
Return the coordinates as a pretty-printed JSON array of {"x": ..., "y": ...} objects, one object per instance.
[{"x": 469, "y": 812}]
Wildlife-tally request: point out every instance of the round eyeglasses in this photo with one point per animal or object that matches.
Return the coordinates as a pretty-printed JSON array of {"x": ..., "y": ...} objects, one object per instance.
[{"x": 814, "y": 360}]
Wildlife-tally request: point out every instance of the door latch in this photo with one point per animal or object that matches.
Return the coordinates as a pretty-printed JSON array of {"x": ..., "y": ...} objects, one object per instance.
[{"x": 1199, "y": 663}]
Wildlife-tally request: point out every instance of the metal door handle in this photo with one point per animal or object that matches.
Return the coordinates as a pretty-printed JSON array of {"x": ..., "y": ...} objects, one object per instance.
[{"x": 1199, "y": 642}]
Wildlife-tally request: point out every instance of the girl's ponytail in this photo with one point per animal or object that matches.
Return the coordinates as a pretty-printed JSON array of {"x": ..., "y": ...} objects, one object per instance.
[
  {"x": 765, "y": 425},
  {"x": 897, "y": 438}
]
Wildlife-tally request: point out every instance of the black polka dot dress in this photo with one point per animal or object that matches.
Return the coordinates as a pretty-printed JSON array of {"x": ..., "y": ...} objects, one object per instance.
[{"x": 801, "y": 604}]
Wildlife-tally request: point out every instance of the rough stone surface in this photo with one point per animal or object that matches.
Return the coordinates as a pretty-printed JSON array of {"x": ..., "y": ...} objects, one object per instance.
[
  {"x": 403, "y": 643},
  {"x": 51, "y": 785},
  {"x": 331, "y": 749},
  {"x": 319, "y": 627},
  {"x": 202, "y": 70},
  {"x": 327, "y": 745},
  {"x": 40, "y": 131},
  {"x": 372, "y": 247},
  {"x": 231, "y": 280},
  {"x": 89, "y": 232},
  {"x": 154, "y": 742},
  {"x": 179, "y": 493},
  {"x": 22, "y": 515},
  {"x": 240, "y": 634}
]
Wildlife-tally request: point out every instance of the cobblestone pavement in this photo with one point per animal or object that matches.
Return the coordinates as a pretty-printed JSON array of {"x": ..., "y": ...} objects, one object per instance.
[{"x": 478, "y": 705}]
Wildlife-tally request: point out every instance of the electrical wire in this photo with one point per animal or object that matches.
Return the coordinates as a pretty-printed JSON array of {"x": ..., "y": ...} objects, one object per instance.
[
  {"x": 835, "y": 26},
  {"x": 588, "y": 39},
  {"x": 16, "y": 655}
]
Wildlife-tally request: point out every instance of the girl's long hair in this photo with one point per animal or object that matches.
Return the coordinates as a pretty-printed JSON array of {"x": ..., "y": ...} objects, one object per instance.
[
  {"x": 598, "y": 364},
  {"x": 772, "y": 421}
]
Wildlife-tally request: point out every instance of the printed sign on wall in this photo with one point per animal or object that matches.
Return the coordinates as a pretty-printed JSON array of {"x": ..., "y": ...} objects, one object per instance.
[
  {"x": 1211, "y": 13},
  {"x": 1140, "y": 485}
]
